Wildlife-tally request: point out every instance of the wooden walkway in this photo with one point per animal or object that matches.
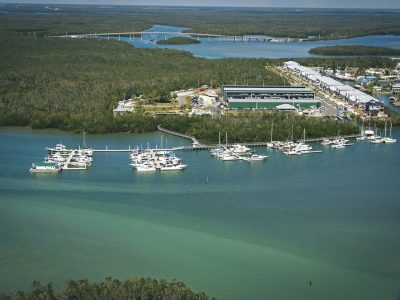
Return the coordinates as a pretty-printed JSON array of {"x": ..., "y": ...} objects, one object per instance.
[{"x": 185, "y": 136}]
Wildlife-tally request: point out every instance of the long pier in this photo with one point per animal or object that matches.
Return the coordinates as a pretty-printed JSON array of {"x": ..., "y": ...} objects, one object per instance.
[
  {"x": 198, "y": 146},
  {"x": 185, "y": 136}
]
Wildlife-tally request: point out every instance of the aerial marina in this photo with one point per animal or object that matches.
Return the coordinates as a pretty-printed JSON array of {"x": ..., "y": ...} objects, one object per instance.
[
  {"x": 198, "y": 179},
  {"x": 158, "y": 159}
]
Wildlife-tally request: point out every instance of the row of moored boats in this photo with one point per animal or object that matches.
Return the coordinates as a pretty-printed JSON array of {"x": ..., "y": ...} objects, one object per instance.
[
  {"x": 60, "y": 158},
  {"x": 371, "y": 136},
  {"x": 150, "y": 160},
  {"x": 236, "y": 152},
  {"x": 292, "y": 147}
]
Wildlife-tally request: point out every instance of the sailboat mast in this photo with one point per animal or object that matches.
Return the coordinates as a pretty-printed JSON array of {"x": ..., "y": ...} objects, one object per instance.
[
  {"x": 385, "y": 127},
  {"x": 226, "y": 139},
  {"x": 272, "y": 130},
  {"x": 292, "y": 132},
  {"x": 84, "y": 141}
]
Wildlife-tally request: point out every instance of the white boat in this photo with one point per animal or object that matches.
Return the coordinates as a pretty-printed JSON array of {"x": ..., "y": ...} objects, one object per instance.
[
  {"x": 361, "y": 137},
  {"x": 275, "y": 145},
  {"x": 255, "y": 157},
  {"x": 389, "y": 139},
  {"x": 327, "y": 142},
  {"x": 171, "y": 167},
  {"x": 217, "y": 151},
  {"x": 81, "y": 160},
  {"x": 56, "y": 157},
  {"x": 378, "y": 140},
  {"x": 369, "y": 135},
  {"x": 146, "y": 167},
  {"x": 239, "y": 149},
  {"x": 298, "y": 148},
  {"x": 226, "y": 156},
  {"x": 88, "y": 151},
  {"x": 338, "y": 146},
  {"x": 59, "y": 148},
  {"x": 311, "y": 151},
  {"x": 292, "y": 152},
  {"x": 45, "y": 167},
  {"x": 78, "y": 164}
]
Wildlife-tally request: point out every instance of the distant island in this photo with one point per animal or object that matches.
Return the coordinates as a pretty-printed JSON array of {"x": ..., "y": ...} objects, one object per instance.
[
  {"x": 354, "y": 50},
  {"x": 178, "y": 41}
]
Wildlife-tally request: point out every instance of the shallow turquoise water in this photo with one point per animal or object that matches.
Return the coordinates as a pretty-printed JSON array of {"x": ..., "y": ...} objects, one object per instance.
[{"x": 253, "y": 231}]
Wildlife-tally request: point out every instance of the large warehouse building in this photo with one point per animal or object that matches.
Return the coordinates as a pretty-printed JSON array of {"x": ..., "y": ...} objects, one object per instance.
[{"x": 253, "y": 97}]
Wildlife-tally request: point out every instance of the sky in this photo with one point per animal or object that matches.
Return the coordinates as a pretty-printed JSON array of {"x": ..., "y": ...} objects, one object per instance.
[{"x": 249, "y": 3}]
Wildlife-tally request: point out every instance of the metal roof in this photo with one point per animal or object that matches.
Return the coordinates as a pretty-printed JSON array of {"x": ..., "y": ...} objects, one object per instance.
[
  {"x": 279, "y": 89},
  {"x": 347, "y": 91},
  {"x": 45, "y": 164}
]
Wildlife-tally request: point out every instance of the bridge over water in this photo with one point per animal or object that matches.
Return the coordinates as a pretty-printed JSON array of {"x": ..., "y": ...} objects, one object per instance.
[{"x": 132, "y": 35}]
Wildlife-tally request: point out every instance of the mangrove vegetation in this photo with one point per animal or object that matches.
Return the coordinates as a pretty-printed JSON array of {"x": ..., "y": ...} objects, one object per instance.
[
  {"x": 354, "y": 50},
  {"x": 136, "y": 288},
  {"x": 70, "y": 83},
  {"x": 276, "y": 22},
  {"x": 250, "y": 126},
  {"x": 178, "y": 41}
]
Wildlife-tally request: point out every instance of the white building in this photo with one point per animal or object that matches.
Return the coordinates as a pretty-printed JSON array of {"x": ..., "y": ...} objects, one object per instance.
[
  {"x": 348, "y": 93},
  {"x": 124, "y": 106},
  {"x": 396, "y": 88}
]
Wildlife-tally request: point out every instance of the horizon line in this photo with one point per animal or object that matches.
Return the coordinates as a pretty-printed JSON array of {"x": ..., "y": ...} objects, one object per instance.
[{"x": 200, "y": 6}]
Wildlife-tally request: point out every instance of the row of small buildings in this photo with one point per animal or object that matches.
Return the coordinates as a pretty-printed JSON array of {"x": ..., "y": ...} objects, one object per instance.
[{"x": 353, "y": 96}]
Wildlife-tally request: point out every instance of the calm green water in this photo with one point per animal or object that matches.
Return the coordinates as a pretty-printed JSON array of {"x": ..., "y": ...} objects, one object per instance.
[{"x": 253, "y": 231}]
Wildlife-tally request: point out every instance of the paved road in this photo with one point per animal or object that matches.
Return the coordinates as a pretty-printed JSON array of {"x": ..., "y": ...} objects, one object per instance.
[{"x": 326, "y": 98}]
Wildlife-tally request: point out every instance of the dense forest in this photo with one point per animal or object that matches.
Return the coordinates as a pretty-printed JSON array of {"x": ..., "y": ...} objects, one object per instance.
[
  {"x": 354, "y": 50},
  {"x": 278, "y": 22},
  {"x": 178, "y": 41},
  {"x": 137, "y": 288},
  {"x": 73, "y": 84}
]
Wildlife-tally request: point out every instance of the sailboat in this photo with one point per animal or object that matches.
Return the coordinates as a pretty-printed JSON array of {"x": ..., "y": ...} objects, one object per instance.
[
  {"x": 227, "y": 155},
  {"x": 362, "y": 136},
  {"x": 271, "y": 143},
  {"x": 217, "y": 151},
  {"x": 389, "y": 140},
  {"x": 86, "y": 151}
]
